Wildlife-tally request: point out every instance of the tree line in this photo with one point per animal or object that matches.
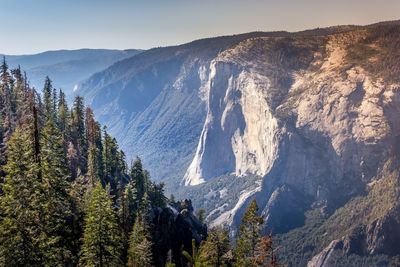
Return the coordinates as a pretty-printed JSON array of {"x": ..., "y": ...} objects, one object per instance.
[{"x": 68, "y": 197}]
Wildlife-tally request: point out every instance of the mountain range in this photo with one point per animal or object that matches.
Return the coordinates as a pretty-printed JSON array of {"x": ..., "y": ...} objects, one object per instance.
[
  {"x": 67, "y": 67},
  {"x": 306, "y": 123}
]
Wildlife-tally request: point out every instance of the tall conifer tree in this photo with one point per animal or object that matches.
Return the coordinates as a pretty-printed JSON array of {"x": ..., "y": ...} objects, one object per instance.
[
  {"x": 213, "y": 251},
  {"x": 78, "y": 135},
  {"x": 48, "y": 111},
  {"x": 63, "y": 118},
  {"x": 139, "y": 253},
  {"x": 20, "y": 205},
  {"x": 56, "y": 202},
  {"x": 101, "y": 240},
  {"x": 249, "y": 236}
]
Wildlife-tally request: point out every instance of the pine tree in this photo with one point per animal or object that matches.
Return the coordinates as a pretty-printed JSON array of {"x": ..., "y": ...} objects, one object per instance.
[
  {"x": 7, "y": 117},
  {"x": 249, "y": 236},
  {"x": 139, "y": 253},
  {"x": 54, "y": 102},
  {"x": 114, "y": 166},
  {"x": 214, "y": 249},
  {"x": 137, "y": 175},
  {"x": 78, "y": 135},
  {"x": 93, "y": 133},
  {"x": 194, "y": 258},
  {"x": 264, "y": 254},
  {"x": 73, "y": 161},
  {"x": 93, "y": 167},
  {"x": 126, "y": 214},
  {"x": 156, "y": 195},
  {"x": 200, "y": 215},
  {"x": 63, "y": 118},
  {"x": 20, "y": 205},
  {"x": 95, "y": 159},
  {"x": 49, "y": 112},
  {"x": 56, "y": 202},
  {"x": 101, "y": 240},
  {"x": 110, "y": 159},
  {"x": 122, "y": 166},
  {"x": 4, "y": 73},
  {"x": 128, "y": 208}
]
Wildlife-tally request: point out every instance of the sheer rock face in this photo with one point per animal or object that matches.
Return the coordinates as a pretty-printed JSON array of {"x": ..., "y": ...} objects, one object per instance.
[{"x": 239, "y": 134}]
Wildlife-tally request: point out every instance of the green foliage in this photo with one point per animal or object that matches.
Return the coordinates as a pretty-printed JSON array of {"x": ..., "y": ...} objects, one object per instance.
[
  {"x": 264, "y": 254},
  {"x": 55, "y": 201},
  {"x": 94, "y": 165},
  {"x": 128, "y": 207},
  {"x": 95, "y": 159},
  {"x": 36, "y": 204},
  {"x": 377, "y": 52},
  {"x": 200, "y": 215},
  {"x": 101, "y": 239},
  {"x": 194, "y": 258},
  {"x": 139, "y": 253},
  {"x": 114, "y": 166},
  {"x": 78, "y": 137},
  {"x": 156, "y": 195},
  {"x": 49, "y": 111},
  {"x": 19, "y": 207},
  {"x": 63, "y": 118},
  {"x": 54, "y": 165},
  {"x": 249, "y": 236},
  {"x": 138, "y": 176},
  {"x": 214, "y": 250}
]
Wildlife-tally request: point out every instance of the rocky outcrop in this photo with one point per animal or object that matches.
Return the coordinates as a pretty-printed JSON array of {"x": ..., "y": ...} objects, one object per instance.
[
  {"x": 379, "y": 237},
  {"x": 174, "y": 227},
  {"x": 328, "y": 256},
  {"x": 383, "y": 234}
]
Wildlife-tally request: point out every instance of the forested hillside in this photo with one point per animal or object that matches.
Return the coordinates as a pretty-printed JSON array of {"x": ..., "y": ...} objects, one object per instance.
[{"x": 68, "y": 198}]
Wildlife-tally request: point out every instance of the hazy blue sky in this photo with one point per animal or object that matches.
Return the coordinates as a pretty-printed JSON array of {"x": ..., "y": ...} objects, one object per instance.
[{"x": 37, "y": 25}]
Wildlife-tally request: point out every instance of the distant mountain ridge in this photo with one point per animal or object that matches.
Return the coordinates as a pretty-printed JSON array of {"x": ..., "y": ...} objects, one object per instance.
[{"x": 67, "y": 67}]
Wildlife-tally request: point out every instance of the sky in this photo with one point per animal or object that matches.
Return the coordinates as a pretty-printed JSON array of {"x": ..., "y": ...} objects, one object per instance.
[{"x": 31, "y": 26}]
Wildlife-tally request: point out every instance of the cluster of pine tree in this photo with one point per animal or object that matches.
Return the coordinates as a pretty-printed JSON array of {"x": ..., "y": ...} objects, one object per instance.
[
  {"x": 251, "y": 250},
  {"x": 68, "y": 198}
]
